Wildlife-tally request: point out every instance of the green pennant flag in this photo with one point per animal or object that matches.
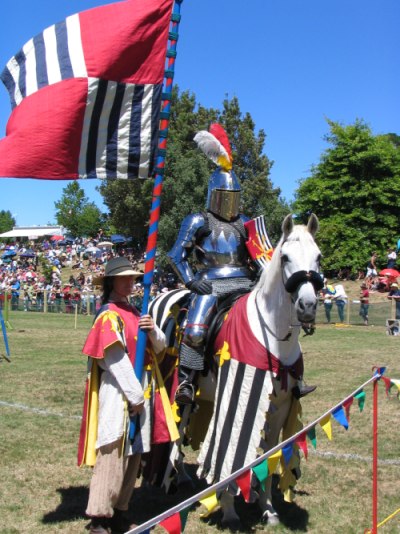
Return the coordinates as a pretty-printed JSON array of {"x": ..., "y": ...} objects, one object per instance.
[
  {"x": 261, "y": 472},
  {"x": 360, "y": 396},
  {"x": 312, "y": 436},
  {"x": 184, "y": 515}
]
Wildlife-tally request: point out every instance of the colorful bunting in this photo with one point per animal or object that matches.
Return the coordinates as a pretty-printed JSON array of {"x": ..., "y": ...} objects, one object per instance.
[
  {"x": 261, "y": 472},
  {"x": 175, "y": 524},
  {"x": 302, "y": 443},
  {"x": 287, "y": 452},
  {"x": 379, "y": 370},
  {"x": 273, "y": 461},
  {"x": 244, "y": 483},
  {"x": 340, "y": 417},
  {"x": 346, "y": 405},
  {"x": 327, "y": 425},
  {"x": 172, "y": 524},
  {"x": 210, "y": 502},
  {"x": 184, "y": 515},
  {"x": 388, "y": 384},
  {"x": 312, "y": 436},
  {"x": 360, "y": 396},
  {"x": 396, "y": 383}
]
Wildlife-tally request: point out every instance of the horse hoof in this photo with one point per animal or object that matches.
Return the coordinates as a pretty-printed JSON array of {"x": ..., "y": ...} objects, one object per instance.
[
  {"x": 271, "y": 519},
  {"x": 234, "y": 525}
]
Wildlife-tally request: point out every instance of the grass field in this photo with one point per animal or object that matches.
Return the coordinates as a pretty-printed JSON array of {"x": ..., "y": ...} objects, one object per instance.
[{"x": 41, "y": 390}]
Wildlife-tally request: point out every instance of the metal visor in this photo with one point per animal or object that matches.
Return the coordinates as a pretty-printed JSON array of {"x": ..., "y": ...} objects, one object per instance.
[{"x": 224, "y": 204}]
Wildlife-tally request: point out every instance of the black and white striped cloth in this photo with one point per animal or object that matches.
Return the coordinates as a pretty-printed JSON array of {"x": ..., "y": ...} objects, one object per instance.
[
  {"x": 97, "y": 75},
  {"x": 234, "y": 434}
]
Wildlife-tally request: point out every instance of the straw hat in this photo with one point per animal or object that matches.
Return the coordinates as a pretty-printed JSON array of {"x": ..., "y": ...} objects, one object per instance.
[{"x": 116, "y": 267}]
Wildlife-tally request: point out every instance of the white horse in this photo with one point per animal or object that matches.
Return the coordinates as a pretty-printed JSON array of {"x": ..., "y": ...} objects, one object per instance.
[
  {"x": 284, "y": 300},
  {"x": 254, "y": 396}
]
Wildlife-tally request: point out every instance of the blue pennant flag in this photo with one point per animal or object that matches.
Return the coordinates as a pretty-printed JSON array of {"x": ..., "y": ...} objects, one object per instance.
[
  {"x": 340, "y": 417},
  {"x": 287, "y": 452}
]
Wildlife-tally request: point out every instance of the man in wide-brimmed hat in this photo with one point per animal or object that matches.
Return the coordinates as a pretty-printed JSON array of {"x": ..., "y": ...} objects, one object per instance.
[
  {"x": 113, "y": 394},
  {"x": 394, "y": 294}
]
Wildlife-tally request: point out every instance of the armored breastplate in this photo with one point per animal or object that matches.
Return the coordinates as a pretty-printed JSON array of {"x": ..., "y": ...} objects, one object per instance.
[{"x": 224, "y": 245}]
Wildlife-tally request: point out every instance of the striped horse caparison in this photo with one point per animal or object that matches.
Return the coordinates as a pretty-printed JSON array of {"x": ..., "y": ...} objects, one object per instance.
[{"x": 259, "y": 362}]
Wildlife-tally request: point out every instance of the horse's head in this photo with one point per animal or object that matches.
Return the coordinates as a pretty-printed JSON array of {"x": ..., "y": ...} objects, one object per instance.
[{"x": 300, "y": 264}]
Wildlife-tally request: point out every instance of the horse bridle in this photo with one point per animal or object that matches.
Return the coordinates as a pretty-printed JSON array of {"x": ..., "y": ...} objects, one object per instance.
[
  {"x": 302, "y": 277},
  {"x": 291, "y": 285}
]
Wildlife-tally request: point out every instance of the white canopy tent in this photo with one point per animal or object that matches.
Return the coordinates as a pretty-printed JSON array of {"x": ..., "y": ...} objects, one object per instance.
[{"x": 33, "y": 231}]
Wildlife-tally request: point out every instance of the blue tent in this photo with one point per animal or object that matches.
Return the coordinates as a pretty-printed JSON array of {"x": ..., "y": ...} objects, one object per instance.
[
  {"x": 29, "y": 253},
  {"x": 9, "y": 253},
  {"x": 118, "y": 238}
]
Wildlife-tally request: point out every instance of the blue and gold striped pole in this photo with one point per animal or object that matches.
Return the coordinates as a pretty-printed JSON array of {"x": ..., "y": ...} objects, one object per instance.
[{"x": 157, "y": 188}]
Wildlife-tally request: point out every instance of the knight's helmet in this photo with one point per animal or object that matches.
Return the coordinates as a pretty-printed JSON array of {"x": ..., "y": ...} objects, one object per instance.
[{"x": 223, "y": 197}]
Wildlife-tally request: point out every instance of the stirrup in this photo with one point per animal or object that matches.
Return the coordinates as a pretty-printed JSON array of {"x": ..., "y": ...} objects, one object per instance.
[{"x": 184, "y": 393}]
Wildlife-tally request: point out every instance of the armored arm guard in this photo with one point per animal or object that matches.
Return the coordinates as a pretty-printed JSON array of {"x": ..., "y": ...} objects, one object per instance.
[{"x": 184, "y": 245}]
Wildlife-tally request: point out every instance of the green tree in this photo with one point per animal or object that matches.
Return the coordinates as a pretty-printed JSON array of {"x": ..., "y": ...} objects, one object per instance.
[
  {"x": 7, "y": 221},
  {"x": 74, "y": 211},
  {"x": 355, "y": 192},
  {"x": 187, "y": 171}
]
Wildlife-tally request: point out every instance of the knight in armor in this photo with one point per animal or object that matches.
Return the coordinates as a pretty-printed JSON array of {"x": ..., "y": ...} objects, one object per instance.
[{"x": 217, "y": 237}]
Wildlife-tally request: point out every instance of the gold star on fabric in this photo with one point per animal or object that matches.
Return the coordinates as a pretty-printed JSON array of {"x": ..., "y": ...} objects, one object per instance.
[{"x": 224, "y": 354}]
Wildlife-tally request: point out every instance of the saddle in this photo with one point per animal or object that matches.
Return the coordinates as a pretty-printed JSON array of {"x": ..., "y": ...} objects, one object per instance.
[{"x": 224, "y": 304}]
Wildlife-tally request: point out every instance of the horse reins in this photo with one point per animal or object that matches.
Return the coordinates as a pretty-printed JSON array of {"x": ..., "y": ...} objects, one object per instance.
[{"x": 262, "y": 321}]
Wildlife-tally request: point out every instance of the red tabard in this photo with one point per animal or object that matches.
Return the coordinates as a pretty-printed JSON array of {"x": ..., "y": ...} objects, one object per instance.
[
  {"x": 245, "y": 347},
  {"x": 106, "y": 330}
]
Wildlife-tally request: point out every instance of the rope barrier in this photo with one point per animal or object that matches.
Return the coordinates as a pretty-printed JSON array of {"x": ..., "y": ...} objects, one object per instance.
[
  {"x": 221, "y": 485},
  {"x": 388, "y": 518}
]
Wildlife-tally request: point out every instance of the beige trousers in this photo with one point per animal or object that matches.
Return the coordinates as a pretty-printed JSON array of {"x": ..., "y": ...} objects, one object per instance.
[{"x": 113, "y": 480}]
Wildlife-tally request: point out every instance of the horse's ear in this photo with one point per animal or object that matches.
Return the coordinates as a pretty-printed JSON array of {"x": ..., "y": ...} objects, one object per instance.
[
  {"x": 313, "y": 224},
  {"x": 287, "y": 225}
]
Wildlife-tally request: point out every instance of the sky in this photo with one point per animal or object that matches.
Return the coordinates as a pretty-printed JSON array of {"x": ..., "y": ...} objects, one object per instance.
[{"x": 291, "y": 63}]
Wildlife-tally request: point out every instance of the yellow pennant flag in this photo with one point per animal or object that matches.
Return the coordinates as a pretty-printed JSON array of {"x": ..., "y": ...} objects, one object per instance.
[
  {"x": 273, "y": 461},
  {"x": 396, "y": 383},
  {"x": 327, "y": 426},
  {"x": 210, "y": 502}
]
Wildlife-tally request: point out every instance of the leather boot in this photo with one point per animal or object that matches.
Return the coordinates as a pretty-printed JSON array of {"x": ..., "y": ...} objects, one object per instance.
[
  {"x": 186, "y": 390},
  {"x": 301, "y": 390}
]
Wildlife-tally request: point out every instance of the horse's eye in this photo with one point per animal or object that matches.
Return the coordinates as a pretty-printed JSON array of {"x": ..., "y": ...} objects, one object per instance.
[{"x": 284, "y": 258}]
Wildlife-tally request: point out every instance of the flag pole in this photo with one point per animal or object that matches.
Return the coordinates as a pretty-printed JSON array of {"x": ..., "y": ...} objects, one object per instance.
[
  {"x": 157, "y": 189},
  {"x": 375, "y": 461},
  {"x": 3, "y": 327}
]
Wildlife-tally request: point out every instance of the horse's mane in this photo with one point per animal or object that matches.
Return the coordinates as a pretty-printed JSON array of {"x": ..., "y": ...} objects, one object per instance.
[{"x": 270, "y": 273}]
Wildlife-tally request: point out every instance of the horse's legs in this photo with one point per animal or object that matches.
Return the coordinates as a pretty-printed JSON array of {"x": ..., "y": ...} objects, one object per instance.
[
  {"x": 230, "y": 518},
  {"x": 277, "y": 415},
  {"x": 269, "y": 514}
]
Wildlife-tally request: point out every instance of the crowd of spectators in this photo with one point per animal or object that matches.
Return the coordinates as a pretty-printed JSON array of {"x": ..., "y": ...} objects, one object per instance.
[{"x": 34, "y": 276}]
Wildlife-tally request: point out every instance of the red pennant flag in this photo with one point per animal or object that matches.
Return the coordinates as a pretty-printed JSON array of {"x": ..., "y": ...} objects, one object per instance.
[
  {"x": 388, "y": 384},
  {"x": 346, "y": 405},
  {"x": 244, "y": 483},
  {"x": 172, "y": 524},
  {"x": 301, "y": 441}
]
